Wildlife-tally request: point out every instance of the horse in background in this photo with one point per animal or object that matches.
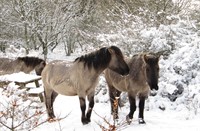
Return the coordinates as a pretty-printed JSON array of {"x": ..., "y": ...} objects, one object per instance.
[
  {"x": 80, "y": 78},
  {"x": 143, "y": 76},
  {"x": 21, "y": 64}
]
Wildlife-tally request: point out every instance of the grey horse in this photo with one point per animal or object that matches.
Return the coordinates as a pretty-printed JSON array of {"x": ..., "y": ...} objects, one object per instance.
[
  {"x": 80, "y": 77},
  {"x": 143, "y": 76}
]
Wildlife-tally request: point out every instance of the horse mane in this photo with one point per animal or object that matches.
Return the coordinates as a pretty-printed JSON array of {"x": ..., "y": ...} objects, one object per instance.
[
  {"x": 136, "y": 63},
  {"x": 98, "y": 59},
  {"x": 31, "y": 61}
]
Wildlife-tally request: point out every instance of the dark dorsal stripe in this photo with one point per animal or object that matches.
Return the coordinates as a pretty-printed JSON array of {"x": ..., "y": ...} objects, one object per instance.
[
  {"x": 98, "y": 59},
  {"x": 30, "y": 61}
]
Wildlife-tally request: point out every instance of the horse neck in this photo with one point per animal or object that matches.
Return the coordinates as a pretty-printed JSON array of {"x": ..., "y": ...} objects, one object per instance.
[
  {"x": 22, "y": 66},
  {"x": 78, "y": 69},
  {"x": 137, "y": 68},
  {"x": 92, "y": 71}
]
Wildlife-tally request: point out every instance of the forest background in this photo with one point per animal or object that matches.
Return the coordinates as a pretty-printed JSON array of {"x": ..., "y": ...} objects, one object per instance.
[
  {"x": 85, "y": 24},
  {"x": 65, "y": 29}
]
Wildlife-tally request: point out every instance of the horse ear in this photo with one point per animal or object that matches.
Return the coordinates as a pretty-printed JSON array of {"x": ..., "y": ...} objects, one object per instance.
[
  {"x": 157, "y": 57},
  {"x": 146, "y": 58},
  {"x": 43, "y": 63},
  {"x": 111, "y": 51}
]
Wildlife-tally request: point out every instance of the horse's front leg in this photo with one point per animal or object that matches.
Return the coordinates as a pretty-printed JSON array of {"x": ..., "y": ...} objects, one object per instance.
[
  {"x": 132, "y": 102},
  {"x": 91, "y": 105},
  {"x": 83, "y": 107},
  {"x": 141, "y": 109},
  {"x": 114, "y": 101}
]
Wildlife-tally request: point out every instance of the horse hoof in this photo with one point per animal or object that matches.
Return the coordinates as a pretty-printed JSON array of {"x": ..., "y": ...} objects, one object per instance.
[
  {"x": 50, "y": 120},
  {"x": 128, "y": 120},
  {"x": 141, "y": 121},
  {"x": 86, "y": 121}
]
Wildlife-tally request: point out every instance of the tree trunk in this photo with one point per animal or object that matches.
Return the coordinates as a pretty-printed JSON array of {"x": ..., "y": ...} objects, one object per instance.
[{"x": 44, "y": 46}]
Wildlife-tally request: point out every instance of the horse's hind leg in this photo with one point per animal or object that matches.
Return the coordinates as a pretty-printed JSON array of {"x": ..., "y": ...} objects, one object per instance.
[
  {"x": 114, "y": 101},
  {"x": 53, "y": 97},
  {"x": 50, "y": 96},
  {"x": 132, "y": 102},
  {"x": 141, "y": 109}
]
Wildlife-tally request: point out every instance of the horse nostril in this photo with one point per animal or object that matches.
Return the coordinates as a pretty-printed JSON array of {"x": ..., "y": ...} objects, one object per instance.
[
  {"x": 156, "y": 88},
  {"x": 125, "y": 73},
  {"x": 128, "y": 71},
  {"x": 153, "y": 87}
]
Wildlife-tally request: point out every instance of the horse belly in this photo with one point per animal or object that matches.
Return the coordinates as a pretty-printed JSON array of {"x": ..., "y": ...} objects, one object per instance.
[{"x": 65, "y": 89}]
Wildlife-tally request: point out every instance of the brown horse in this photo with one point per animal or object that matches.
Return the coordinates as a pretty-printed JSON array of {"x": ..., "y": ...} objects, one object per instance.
[
  {"x": 24, "y": 64},
  {"x": 80, "y": 77},
  {"x": 143, "y": 76}
]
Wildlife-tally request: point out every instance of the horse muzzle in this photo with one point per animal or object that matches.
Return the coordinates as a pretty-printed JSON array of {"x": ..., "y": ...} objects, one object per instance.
[
  {"x": 154, "y": 87},
  {"x": 125, "y": 72}
]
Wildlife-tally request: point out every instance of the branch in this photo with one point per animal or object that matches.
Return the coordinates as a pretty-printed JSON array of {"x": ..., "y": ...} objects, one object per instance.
[
  {"x": 47, "y": 121},
  {"x": 27, "y": 119},
  {"x": 5, "y": 125}
]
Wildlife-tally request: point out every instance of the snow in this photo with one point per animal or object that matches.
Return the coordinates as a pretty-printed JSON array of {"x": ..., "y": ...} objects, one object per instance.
[
  {"x": 155, "y": 119},
  {"x": 175, "y": 117},
  {"x": 36, "y": 90},
  {"x": 19, "y": 77},
  {"x": 176, "y": 105}
]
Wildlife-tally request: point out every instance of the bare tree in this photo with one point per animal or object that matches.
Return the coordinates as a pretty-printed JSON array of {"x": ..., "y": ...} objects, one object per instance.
[{"x": 80, "y": 23}]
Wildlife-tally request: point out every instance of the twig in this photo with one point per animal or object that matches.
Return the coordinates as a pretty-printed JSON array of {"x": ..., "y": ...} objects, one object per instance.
[
  {"x": 47, "y": 120},
  {"x": 111, "y": 127}
]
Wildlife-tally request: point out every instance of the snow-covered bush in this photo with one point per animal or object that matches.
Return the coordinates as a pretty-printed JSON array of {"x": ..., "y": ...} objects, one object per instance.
[
  {"x": 18, "y": 111},
  {"x": 179, "y": 69},
  {"x": 180, "y": 72}
]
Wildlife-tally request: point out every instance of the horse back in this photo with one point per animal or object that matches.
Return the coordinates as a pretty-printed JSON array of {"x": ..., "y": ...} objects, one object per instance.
[
  {"x": 68, "y": 78},
  {"x": 8, "y": 66},
  {"x": 54, "y": 70}
]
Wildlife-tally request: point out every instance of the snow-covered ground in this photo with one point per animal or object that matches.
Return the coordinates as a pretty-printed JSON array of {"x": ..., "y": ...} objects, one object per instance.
[
  {"x": 155, "y": 119},
  {"x": 175, "y": 107},
  {"x": 174, "y": 117}
]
